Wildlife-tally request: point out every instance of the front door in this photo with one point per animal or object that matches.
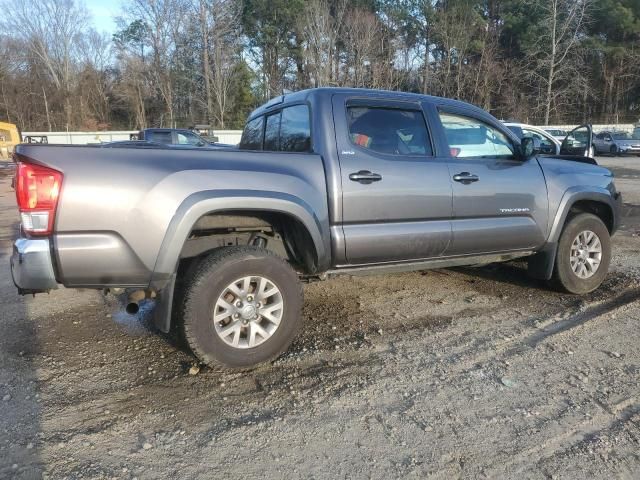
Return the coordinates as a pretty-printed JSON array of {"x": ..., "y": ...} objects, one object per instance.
[
  {"x": 578, "y": 142},
  {"x": 499, "y": 199},
  {"x": 396, "y": 196}
]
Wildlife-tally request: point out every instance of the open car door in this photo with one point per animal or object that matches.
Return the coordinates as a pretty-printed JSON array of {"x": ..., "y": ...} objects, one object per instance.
[{"x": 578, "y": 142}]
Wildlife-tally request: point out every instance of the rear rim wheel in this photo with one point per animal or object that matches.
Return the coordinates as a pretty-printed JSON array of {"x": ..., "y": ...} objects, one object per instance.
[
  {"x": 586, "y": 254},
  {"x": 248, "y": 311}
]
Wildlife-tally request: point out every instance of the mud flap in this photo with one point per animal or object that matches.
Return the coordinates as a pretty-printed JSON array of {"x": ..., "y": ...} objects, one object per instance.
[
  {"x": 164, "y": 306},
  {"x": 540, "y": 265}
]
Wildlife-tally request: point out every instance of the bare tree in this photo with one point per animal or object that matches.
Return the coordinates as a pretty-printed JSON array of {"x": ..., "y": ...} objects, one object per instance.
[
  {"x": 322, "y": 27},
  {"x": 220, "y": 30},
  {"x": 165, "y": 21},
  {"x": 554, "y": 55},
  {"x": 50, "y": 30}
]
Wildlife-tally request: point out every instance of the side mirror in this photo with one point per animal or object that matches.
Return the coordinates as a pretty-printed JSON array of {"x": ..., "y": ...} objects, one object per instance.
[
  {"x": 529, "y": 147},
  {"x": 201, "y": 143}
]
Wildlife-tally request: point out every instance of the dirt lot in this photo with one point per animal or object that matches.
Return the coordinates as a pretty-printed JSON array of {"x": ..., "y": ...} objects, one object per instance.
[{"x": 472, "y": 373}]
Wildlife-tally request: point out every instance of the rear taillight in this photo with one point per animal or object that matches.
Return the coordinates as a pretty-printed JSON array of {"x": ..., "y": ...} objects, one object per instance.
[{"x": 37, "y": 192}]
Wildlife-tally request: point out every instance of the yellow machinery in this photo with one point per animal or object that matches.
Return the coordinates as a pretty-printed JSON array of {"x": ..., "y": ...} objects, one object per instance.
[{"x": 9, "y": 138}]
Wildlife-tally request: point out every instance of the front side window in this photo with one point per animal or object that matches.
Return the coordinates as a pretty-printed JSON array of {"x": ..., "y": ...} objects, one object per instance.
[
  {"x": 389, "y": 130},
  {"x": 471, "y": 138},
  {"x": 252, "y": 135},
  {"x": 188, "y": 139}
]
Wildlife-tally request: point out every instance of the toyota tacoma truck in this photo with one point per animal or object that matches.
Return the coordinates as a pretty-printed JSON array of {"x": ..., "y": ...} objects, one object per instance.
[{"x": 324, "y": 182}]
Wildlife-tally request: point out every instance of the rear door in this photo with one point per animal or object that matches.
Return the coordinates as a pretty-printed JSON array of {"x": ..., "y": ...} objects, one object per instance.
[
  {"x": 499, "y": 200},
  {"x": 396, "y": 195}
]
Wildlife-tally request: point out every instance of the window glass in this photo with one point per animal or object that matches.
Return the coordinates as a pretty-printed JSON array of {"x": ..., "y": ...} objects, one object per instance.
[
  {"x": 468, "y": 137},
  {"x": 388, "y": 130},
  {"x": 188, "y": 139},
  {"x": 579, "y": 138},
  {"x": 295, "y": 132},
  {"x": 161, "y": 137},
  {"x": 543, "y": 140},
  {"x": 252, "y": 135},
  {"x": 272, "y": 133},
  {"x": 621, "y": 136}
]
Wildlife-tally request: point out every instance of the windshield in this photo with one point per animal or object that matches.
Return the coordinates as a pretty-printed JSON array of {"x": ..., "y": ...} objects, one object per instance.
[{"x": 621, "y": 136}]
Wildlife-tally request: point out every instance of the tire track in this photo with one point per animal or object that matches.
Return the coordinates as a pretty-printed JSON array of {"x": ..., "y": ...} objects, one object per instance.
[{"x": 583, "y": 317}]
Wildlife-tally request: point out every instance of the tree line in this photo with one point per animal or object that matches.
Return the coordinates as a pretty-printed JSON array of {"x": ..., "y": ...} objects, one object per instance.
[{"x": 186, "y": 62}]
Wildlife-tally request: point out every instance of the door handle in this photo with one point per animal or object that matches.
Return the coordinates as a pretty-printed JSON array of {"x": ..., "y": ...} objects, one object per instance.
[
  {"x": 465, "y": 178},
  {"x": 365, "y": 176}
]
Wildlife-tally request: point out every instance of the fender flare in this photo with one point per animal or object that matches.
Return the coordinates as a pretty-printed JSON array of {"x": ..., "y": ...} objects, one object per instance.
[
  {"x": 541, "y": 264},
  {"x": 201, "y": 203}
]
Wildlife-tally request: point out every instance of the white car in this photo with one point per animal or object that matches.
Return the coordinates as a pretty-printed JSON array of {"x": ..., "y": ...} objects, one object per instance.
[{"x": 548, "y": 143}]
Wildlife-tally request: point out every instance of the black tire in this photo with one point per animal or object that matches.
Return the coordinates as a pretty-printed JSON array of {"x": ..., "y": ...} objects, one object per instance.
[
  {"x": 564, "y": 278},
  {"x": 613, "y": 150},
  {"x": 209, "y": 280}
]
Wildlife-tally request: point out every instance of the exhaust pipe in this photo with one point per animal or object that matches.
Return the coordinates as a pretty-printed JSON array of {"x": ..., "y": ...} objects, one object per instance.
[
  {"x": 132, "y": 308},
  {"x": 134, "y": 299}
]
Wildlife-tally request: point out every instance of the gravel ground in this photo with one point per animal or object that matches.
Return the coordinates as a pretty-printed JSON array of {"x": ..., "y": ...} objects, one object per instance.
[{"x": 463, "y": 373}]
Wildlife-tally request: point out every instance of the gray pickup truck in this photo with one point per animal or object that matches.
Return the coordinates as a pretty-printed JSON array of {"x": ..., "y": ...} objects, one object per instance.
[{"x": 324, "y": 182}]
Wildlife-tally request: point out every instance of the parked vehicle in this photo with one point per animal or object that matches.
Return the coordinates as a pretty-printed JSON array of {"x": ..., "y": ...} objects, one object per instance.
[
  {"x": 172, "y": 136},
  {"x": 548, "y": 143},
  {"x": 616, "y": 143},
  {"x": 325, "y": 182},
  {"x": 177, "y": 137},
  {"x": 557, "y": 133},
  {"x": 9, "y": 138}
]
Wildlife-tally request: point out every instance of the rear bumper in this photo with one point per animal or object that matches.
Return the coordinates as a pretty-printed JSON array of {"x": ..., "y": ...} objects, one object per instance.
[{"x": 31, "y": 266}]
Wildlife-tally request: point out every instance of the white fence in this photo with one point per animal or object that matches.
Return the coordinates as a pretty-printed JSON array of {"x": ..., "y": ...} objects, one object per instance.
[
  {"x": 83, "y": 138},
  {"x": 619, "y": 127}
]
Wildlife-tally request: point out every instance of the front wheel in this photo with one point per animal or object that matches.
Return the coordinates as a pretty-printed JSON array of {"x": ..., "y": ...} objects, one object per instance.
[
  {"x": 242, "y": 307},
  {"x": 584, "y": 254},
  {"x": 613, "y": 150}
]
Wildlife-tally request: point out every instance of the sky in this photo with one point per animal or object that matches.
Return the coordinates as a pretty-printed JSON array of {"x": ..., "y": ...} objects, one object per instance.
[{"x": 103, "y": 12}]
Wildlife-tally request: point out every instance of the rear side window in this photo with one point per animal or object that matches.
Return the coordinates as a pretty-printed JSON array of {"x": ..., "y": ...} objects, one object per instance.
[
  {"x": 389, "y": 130},
  {"x": 252, "y": 135},
  {"x": 160, "y": 137},
  {"x": 295, "y": 131},
  {"x": 285, "y": 131},
  {"x": 469, "y": 138},
  {"x": 272, "y": 133}
]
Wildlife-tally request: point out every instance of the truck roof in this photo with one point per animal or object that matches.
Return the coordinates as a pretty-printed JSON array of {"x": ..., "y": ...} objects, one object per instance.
[{"x": 321, "y": 92}]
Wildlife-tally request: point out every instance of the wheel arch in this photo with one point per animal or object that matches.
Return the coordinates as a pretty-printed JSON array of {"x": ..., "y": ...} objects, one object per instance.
[
  {"x": 596, "y": 200},
  {"x": 304, "y": 224}
]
